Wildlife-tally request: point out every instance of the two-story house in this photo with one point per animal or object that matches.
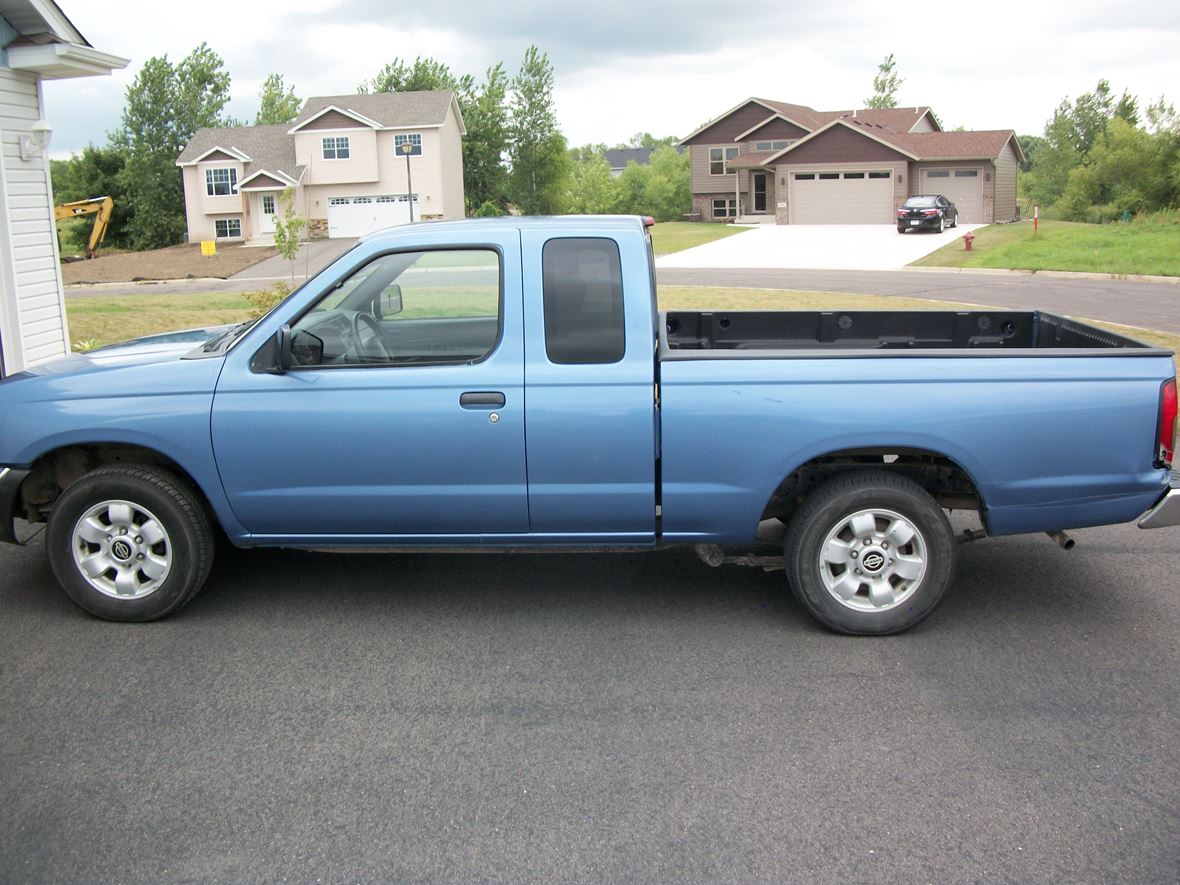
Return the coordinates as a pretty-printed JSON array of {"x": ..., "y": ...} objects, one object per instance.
[
  {"x": 771, "y": 161},
  {"x": 37, "y": 42},
  {"x": 344, "y": 160}
]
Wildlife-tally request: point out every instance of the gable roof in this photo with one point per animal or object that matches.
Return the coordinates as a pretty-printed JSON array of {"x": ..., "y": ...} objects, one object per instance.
[
  {"x": 980, "y": 144},
  {"x": 265, "y": 148},
  {"x": 385, "y": 110}
]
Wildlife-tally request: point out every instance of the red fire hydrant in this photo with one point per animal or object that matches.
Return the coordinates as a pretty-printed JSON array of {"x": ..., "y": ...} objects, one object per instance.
[{"x": 967, "y": 238}]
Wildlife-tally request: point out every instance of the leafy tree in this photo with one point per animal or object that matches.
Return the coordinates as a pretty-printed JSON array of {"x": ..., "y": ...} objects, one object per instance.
[
  {"x": 424, "y": 75},
  {"x": 95, "y": 172},
  {"x": 287, "y": 230},
  {"x": 669, "y": 191},
  {"x": 885, "y": 85},
  {"x": 166, "y": 105},
  {"x": 485, "y": 114},
  {"x": 591, "y": 190},
  {"x": 537, "y": 150},
  {"x": 277, "y": 102},
  {"x": 1126, "y": 171}
]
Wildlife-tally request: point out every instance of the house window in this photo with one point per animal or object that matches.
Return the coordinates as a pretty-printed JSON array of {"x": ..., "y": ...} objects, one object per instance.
[
  {"x": 413, "y": 138},
  {"x": 228, "y": 228},
  {"x": 221, "y": 182},
  {"x": 268, "y": 204},
  {"x": 770, "y": 145},
  {"x": 724, "y": 208},
  {"x": 336, "y": 147},
  {"x": 718, "y": 157}
]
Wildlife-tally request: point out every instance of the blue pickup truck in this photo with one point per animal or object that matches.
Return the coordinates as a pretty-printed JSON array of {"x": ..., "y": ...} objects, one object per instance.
[{"x": 509, "y": 383}]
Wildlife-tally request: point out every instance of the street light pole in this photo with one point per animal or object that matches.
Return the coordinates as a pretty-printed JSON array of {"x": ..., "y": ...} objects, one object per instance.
[{"x": 407, "y": 149}]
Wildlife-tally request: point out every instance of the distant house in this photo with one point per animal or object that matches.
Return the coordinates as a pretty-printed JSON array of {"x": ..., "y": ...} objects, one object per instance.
[
  {"x": 791, "y": 164},
  {"x": 37, "y": 42},
  {"x": 619, "y": 158},
  {"x": 342, "y": 156}
]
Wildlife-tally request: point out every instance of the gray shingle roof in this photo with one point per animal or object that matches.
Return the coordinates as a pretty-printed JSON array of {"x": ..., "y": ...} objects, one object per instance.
[
  {"x": 392, "y": 109},
  {"x": 268, "y": 147}
]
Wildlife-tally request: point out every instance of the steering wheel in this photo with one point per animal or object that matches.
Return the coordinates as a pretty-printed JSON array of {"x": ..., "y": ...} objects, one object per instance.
[{"x": 367, "y": 349}]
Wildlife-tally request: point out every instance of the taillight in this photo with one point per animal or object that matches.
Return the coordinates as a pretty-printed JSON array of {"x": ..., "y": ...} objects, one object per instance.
[
  {"x": 1167, "y": 430},
  {"x": 903, "y": 212},
  {"x": 929, "y": 211}
]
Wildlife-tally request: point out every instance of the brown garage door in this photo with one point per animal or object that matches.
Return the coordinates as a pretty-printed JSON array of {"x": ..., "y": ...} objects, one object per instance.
[
  {"x": 963, "y": 187},
  {"x": 842, "y": 197}
]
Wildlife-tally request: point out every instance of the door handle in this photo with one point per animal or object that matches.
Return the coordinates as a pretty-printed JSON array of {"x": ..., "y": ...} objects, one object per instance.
[{"x": 485, "y": 399}]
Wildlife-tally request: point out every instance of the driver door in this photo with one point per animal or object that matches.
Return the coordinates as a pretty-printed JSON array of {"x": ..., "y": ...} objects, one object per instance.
[{"x": 403, "y": 414}]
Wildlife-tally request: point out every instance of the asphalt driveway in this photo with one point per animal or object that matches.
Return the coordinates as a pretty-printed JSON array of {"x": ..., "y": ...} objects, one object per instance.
[
  {"x": 817, "y": 246},
  {"x": 598, "y": 718}
]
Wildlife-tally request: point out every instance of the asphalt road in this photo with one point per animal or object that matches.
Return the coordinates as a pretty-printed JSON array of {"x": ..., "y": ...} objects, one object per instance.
[
  {"x": 1133, "y": 303},
  {"x": 596, "y": 718}
]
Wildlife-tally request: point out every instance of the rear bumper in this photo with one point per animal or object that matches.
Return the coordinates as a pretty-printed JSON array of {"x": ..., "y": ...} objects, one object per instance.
[
  {"x": 1166, "y": 511},
  {"x": 10, "y": 482}
]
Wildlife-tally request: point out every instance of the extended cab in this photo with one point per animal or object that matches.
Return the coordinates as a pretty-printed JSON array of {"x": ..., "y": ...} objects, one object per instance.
[{"x": 509, "y": 383}]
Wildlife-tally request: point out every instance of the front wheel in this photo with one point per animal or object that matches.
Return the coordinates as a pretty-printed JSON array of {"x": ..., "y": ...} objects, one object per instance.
[
  {"x": 129, "y": 543},
  {"x": 869, "y": 553}
]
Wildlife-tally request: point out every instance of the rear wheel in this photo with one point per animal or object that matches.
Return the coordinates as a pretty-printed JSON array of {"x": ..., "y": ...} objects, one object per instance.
[
  {"x": 900, "y": 229},
  {"x": 129, "y": 543},
  {"x": 941, "y": 223},
  {"x": 869, "y": 553}
]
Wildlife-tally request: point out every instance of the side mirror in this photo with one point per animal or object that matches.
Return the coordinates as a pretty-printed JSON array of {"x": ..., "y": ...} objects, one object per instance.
[
  {"x": 390, "y": 301},
  {"x": 283, "y": 350}
]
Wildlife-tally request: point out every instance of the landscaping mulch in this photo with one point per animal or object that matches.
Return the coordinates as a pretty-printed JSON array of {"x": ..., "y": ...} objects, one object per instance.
[{"x": 171, "y": 263}]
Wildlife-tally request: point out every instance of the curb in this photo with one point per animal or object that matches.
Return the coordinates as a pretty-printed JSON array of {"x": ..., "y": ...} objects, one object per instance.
[
  {"x": 1052, "y": 274},
  {"x": 82, "y": 287}
]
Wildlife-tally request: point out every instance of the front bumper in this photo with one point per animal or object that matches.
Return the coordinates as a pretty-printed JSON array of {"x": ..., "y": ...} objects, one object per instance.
[
  {"x": 10, "y": 482},
  {"x": 1166, "y": 512}
]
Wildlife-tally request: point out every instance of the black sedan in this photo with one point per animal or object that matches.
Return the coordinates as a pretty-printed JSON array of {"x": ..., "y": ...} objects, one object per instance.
[{"x": 928, "y": 212}]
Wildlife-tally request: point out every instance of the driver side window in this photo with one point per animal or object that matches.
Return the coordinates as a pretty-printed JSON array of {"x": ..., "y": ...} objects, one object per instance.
[{"x": 408, "y": 308}]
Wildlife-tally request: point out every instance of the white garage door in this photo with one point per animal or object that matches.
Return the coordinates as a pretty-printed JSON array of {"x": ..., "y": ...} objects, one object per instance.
[
  {"x": 963, "y": 187},
  {"x": 357, "y": 216},
  {"x": 842, "y": 197}
]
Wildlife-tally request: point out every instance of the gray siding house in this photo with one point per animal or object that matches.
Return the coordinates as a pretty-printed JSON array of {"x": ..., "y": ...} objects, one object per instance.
[
  {"x": 771, "y": 161},
  {"x": 37, "y": 42}
]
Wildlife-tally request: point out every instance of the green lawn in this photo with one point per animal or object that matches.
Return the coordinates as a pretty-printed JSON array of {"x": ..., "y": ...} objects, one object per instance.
[
  {"x": 676, "y": 236},
  {"x": 1140, "y": 247}
]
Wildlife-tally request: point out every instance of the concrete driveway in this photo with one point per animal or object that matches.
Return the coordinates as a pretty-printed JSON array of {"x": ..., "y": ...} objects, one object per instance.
[
  {"x": 314, "y": 256},
  {"x": 816, "y": 246}
]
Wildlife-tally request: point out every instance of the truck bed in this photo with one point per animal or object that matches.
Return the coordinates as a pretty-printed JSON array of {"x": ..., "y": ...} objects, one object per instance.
[{"x": 770, "y": 334}]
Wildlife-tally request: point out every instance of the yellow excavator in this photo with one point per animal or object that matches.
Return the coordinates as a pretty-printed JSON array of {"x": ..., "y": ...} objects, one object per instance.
[{"x": 100, "y": 207}]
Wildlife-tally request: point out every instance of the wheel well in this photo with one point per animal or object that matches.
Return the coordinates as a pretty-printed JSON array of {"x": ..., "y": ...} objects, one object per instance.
[
  {"x": 54, "y": 471},
  {"x": 949, "y": 484}
]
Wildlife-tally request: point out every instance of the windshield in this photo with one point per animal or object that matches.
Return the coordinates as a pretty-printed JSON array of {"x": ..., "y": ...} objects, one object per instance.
[{"x": 921, "y": 202}]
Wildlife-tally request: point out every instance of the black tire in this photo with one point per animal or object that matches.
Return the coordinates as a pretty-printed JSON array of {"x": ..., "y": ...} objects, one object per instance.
[
  {"x": 830, "y": 507},
  {"x": 900, "y": 229},
  {"x": 147, "y": 494},
  {"x": 941, "y": 223},
  {"x": 955, "y": 223}
]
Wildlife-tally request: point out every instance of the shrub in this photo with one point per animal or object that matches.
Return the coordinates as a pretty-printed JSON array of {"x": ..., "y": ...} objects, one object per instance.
[{"x": 267, "y": 298}]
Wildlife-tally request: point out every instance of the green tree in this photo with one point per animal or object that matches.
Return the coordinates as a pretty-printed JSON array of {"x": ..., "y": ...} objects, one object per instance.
[
  {"x": 485, "y": 115},
  {"x": 277, "y": 102},
  {"x": 165, "y": 106},
  {"x": 424, "y": 75},
  {"x": 885, "y": 85},
  {"x": 537, "y": 149},
  {"x": 95, "y": 172},
  {"x": 1126, "y": 171},
  {"x": 287, "y": 229},
  {"x": 591, "y": 190},
  {"x": 668, "y": 194}
]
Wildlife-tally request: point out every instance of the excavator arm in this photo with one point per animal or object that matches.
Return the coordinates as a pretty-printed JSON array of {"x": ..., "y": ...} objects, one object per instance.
[{"x": 100, "y": 207}]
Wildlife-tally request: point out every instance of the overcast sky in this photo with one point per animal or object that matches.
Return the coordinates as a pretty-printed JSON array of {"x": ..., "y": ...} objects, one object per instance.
[{"x": 623, "y": 67}]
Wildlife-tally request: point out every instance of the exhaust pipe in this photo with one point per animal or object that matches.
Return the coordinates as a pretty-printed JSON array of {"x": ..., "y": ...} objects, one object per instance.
[{"x": 1062, "y": 540}]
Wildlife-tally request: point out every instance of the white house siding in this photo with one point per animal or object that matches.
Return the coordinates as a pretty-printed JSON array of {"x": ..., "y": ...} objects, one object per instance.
[
  {"x": 32, "y": 308},
  {"x": 452, "y": 159}
]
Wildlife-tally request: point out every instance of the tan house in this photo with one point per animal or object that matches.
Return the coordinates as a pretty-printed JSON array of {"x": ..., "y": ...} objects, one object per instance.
[
  {"x": 771, "y": 161},
  {"x": 344, "y": 158},
  {"x": 37, "y": 43}
]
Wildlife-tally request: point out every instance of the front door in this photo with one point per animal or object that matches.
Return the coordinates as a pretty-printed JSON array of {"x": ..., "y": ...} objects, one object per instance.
[
  {"x": 266, "y": 213},
  {"x": 758, "y": 184},
  {"x": 403, "y": 414}
]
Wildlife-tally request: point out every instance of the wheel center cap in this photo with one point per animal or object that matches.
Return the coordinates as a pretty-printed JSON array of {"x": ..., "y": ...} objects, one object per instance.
[
  {"x": 121, "y": 550},
  {"x": 872, "y": 561}
]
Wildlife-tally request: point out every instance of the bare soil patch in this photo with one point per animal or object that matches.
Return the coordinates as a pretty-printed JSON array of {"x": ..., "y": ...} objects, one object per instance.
[{"x": 172, "y": 263}]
